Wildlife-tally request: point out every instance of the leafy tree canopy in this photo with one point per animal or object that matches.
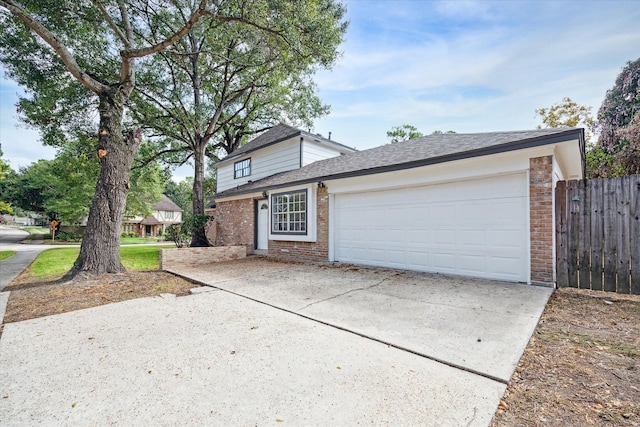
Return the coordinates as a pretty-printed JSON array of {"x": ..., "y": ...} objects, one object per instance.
[
  {"x": 403, "y": 133},
  {"x": 567, "y": 113},
  {"x": 225, "y": 81}
]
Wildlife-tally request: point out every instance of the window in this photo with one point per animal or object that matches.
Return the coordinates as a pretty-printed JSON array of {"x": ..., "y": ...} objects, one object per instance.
[
  {"x": 168, "y": 215},
  {"x": 242, "y": 168},
  {"x": 289, "y": 213}
]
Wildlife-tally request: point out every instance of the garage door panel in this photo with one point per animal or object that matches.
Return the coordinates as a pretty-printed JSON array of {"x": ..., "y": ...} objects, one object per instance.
[
  {"x": 444, "y": 237},
  {"x": 472, "y": 237},
  {"x": 474, "y": 228},
  {"x": 475, "y": 264}
]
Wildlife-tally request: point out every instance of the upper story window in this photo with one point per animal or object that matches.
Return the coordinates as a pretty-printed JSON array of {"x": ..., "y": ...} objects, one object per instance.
[
  {"x": 242, "y": 168},
  {"x": 289, "y": 213},
  {"x": 168, "y": 214}
]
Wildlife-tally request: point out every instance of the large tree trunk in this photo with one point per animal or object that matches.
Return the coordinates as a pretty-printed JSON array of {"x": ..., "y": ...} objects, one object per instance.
[
  {"x": 198, "y": 236},
  {"x": 100, "y": 250}
]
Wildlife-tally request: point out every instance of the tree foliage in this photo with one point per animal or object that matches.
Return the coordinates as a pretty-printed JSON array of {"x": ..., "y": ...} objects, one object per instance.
[
  {"x": 225, "y": 81},
  {"x": 403, "y": 133},
  {"x": 619, "y": 123},
  {"x": 79, "y": 57},
  {"x": 6, "y": 173},
  {"x": 567, "y": 113}
]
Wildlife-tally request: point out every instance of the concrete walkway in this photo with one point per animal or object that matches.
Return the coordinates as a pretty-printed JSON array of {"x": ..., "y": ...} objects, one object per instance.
[{"x": 11, "y": 267}]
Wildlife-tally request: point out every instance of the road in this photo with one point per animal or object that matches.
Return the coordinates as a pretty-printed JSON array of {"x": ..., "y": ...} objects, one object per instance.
[{"x": 10, "y": 239}]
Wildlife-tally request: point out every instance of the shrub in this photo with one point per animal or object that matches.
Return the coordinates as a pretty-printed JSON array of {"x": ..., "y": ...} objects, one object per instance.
[
  {"x": 181, "y": 233},
  {"x": 68, "y": 236}
]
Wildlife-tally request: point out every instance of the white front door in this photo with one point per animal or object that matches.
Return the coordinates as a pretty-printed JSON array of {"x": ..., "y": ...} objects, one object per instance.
[{"x": 263, "y": 225}]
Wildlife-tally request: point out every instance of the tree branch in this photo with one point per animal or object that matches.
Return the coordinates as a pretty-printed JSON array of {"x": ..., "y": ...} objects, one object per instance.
[
  {"x": 111, "y": 23},
  {"x": 195, "y": 17},
  {"x": 65, "y": 55}
]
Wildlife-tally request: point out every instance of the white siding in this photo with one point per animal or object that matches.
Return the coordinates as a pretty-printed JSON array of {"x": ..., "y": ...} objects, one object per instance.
[
  {"x": 312, "y": 152},
  {"x": 281, "y": 157}
]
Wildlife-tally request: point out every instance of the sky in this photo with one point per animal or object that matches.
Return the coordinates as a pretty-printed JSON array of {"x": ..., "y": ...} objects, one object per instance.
[{"x": 466, "y": 66}]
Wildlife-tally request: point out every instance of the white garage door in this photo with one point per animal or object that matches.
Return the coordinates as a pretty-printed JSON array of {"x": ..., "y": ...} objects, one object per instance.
[{"x": 474, "y": 228}]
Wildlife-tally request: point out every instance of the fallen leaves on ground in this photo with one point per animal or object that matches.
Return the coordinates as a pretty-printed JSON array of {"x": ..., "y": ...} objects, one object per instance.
[
  {"x": 581, "y": 367},
  {"x": 31, "y": 298}
]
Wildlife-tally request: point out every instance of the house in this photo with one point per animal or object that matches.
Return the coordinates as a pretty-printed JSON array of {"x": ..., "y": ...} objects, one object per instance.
[
  {"x": 163, "y": 213},
  {"x": 478, "y": 205}
]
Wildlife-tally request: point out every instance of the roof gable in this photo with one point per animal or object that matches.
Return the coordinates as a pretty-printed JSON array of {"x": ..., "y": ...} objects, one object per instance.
[
  {"x": 276, "y": 134},
  {"x": 430, "y": 149},
  {"x": 166, "y": 204}
]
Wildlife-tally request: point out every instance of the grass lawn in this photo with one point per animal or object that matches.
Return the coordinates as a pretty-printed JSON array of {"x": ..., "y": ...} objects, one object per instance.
[
  {"x": 6, "y": 254},
  {"x": 35, "y": 229},
  {"x": 139, "y": 240},
  {"x": 54, "y": 263}
]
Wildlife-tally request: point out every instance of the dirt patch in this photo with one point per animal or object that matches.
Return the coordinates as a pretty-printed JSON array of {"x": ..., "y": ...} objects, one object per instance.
[
  {"x": 581, "y": 367},
  {"x": 30, "y": 299}
]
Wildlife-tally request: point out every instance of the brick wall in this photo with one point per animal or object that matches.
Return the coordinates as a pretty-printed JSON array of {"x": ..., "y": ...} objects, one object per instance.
[
  {"x": 235, "y": 223},
  {"x": 193, "y": 257},
  {"x": 308, "y": 251},
  {"x": 541, "y": 218}
]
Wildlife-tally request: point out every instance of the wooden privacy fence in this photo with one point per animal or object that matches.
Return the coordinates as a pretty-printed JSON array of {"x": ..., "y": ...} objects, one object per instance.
[{"x": 598, "y": 234}]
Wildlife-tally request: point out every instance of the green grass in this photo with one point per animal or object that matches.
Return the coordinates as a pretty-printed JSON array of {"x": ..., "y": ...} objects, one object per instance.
[
  {"x": 35, "y": 229},
  {"x": 54, "y": 263},
  {"x": 141, "y": 258},
  {"x": 6, "y": 254},
  {"x": 139, "y": 240}
]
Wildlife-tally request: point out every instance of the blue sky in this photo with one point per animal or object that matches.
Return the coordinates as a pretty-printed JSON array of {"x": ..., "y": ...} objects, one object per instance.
[{"x": 467, "y": 66}]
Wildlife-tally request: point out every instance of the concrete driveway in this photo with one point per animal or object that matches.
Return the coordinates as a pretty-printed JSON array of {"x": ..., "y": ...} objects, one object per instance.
[{"x": 276, "y": 343}]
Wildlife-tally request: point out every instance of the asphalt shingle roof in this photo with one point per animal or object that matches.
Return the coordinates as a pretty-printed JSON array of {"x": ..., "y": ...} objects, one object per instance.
[
  {"x": 422, "y": 151},
  {"x": 166, "y": 204}
]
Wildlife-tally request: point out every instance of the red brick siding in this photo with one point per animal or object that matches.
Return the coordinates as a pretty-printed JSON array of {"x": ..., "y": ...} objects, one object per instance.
[
  {"x": 308, "y": 251},
  {"x": 235, "y": 223},
  {"x": 192, "y": 257},
  {"x": 541, "y": 218}
]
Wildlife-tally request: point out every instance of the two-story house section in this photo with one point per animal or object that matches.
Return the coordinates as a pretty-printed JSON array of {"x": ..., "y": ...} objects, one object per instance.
[{"x": 280, "y": 149}]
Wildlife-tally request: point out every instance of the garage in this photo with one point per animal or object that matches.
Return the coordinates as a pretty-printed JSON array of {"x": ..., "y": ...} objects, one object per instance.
[{"x": 473, "y": 227}]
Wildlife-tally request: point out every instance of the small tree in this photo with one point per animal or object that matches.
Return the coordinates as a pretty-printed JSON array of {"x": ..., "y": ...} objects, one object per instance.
[
  {"x": 403, "y": 133},
  {"x": 180, "y": 234}
]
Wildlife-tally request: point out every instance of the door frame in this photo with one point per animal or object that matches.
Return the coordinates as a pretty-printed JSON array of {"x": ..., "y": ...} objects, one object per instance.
[{"x": 257, "y": 210}]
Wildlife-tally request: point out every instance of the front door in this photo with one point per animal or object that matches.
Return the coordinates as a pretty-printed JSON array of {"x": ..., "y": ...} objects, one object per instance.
[{"x": 262, "y": 231}]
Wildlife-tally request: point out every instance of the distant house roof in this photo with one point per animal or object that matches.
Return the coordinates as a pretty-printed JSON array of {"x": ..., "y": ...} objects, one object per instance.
[
  {"x": 276, "y": 134},
  {"x": 427, "y": 150},
  {"x": 166, "y": 204},
  {"x": 150, "y": 220}
]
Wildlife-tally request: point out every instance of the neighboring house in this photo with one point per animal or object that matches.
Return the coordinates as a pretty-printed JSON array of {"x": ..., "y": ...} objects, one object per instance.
[
  {"x": 468, "y": 204},
  {"x": 164, "y": 213},
  {"x": 17, "y": 220}
]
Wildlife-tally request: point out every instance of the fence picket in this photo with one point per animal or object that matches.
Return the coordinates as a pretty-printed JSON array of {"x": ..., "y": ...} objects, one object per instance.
[
  {"x": 584, "y": 241},
  {"x": 597, "y": 221},
  {"x": 562, "y": 266},
  {"x": 573, "y": 227},
  {"x": 610, "y": 240},
  {"x": 622, "y": 244},
  {"x": 634, "y": 232}
]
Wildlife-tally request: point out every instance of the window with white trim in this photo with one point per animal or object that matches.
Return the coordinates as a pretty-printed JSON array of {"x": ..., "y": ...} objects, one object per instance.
[
  {"x": 168, "y": 215},
  {"x": 242, "y": 168},
  {"x": 289, "y": 213}
]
